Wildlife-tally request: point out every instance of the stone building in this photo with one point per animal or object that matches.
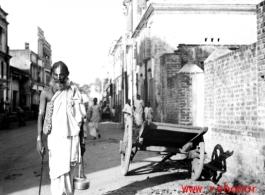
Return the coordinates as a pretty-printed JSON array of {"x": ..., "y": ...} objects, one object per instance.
[
  {"x": 20, "y": 89},
  {"x": 38, "y": 67},
  {"x": 4, "y": 56}
]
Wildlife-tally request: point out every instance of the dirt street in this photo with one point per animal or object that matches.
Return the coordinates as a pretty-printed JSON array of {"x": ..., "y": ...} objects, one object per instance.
[{"x": 20, "y": 166}]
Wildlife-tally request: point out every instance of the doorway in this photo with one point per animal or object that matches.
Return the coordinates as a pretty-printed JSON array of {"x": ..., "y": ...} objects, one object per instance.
[{"x": 14, "y": 100}]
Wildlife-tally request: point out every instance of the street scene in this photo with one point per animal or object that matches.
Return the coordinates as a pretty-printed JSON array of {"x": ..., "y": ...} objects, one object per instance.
[
  {"x": 20, "y": 166},
  {"x": 141, "y": 97}
]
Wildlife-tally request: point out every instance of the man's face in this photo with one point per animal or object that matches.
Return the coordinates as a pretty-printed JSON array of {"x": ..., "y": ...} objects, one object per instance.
[
  {"x": 59, "y": 75},
  {"x": 95, "y": 101}
]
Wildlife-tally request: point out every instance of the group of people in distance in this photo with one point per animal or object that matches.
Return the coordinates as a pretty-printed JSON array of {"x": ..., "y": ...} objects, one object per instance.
[{"x": 138, "y": 111}]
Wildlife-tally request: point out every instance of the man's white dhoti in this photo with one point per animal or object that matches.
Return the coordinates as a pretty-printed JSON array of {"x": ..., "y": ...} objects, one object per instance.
[
  {"x": 64, "y": 183},
  {"x": 61, "y": 172},
  {"x": 64, "y": 142}
]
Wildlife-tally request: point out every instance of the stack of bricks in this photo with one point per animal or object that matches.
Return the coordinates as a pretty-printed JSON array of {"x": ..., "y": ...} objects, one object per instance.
[{"x": 235, "y": 106}]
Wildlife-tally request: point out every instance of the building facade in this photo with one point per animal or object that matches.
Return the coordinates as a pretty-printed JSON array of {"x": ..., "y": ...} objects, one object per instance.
[
  {"x": 4, "y": 57},
  {"x": 20, "y": 89},
  {"x": 38, "y": 67}
]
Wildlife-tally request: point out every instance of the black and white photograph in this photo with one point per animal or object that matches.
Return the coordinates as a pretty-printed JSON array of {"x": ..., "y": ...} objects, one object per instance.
[{"x": 132, "y": 97}]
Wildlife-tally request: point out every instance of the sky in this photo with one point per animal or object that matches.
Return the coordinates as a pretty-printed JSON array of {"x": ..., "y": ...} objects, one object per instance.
[{"x": 80, "y": 32}]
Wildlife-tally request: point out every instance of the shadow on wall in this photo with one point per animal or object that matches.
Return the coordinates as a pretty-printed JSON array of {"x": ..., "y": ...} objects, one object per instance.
[
  {"x": 214, "y": 170},
  {"x": 251, "y": 178}
]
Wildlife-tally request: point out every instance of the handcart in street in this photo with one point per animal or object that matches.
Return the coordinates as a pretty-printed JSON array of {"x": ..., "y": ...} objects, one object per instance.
[{"x": 170, "y": 139}]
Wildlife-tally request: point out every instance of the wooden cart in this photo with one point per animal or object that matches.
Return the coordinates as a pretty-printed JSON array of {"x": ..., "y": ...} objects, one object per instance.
[{"x": 163, "y": 137}]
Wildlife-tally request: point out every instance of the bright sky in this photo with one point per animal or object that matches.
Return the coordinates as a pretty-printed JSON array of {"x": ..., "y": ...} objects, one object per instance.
[{"x": 80, "y": 31}]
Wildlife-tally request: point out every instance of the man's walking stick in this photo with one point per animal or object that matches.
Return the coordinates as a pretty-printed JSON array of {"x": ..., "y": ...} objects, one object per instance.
[{"x": 42, "y": 153}]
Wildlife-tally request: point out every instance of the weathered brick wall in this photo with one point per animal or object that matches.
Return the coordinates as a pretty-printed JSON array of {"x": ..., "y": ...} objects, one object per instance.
[
  {"x": 158, "y": 48},
  {"x": 170, "y": 65},
  {"x": 232, "y": 111},
  {"x": 176, "y": 91}
]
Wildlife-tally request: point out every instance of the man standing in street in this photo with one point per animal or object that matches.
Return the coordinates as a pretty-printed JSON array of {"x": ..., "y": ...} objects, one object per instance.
[
  {"x": 139, "y": 105},
  {"x": 127, "y": 110},
  {"x": 60, "y": 103},
  {"x": 7, "y": 110},
  {"x": 148, "y": 111},
  {"x": 95, "y": 117}
]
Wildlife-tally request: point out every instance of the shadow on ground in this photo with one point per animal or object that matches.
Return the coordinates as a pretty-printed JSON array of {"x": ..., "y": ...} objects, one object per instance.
[{"x": 136, "y": 186}]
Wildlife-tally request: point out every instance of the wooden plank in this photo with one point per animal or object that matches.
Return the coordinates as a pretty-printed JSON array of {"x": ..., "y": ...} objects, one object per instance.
[
  {"x": 170, "y": 135},
  {"x": 160, "y": 149},
  {"x": 179, "y": 126},
  {"x": 171, "y": 127}
]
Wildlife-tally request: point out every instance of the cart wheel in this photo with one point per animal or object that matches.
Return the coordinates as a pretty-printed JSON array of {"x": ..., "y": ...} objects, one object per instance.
[
  {"x": 196, "y": 165},
  {"x": 127, "y": 147}
]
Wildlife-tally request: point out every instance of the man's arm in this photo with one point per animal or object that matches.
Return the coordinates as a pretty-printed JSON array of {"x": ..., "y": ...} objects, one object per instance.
[{"x": 42, "y": 108}]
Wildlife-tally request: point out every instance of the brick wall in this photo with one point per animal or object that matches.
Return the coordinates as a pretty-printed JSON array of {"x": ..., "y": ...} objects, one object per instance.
[
  {"x": 176, "y": 89},
  {"x": 170, "y": 65},
  {"x": 233, "y": 112},
  {"x": 158, "y": 48}
]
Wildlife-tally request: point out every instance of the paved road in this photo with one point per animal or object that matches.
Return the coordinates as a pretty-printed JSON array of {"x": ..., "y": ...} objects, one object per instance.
[{"x": 20, "y": 165}]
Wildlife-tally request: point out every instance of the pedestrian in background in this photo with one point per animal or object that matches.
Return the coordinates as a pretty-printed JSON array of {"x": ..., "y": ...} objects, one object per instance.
[
  {"x": 139, "y": 107},
  {"x": 7, "y": 110},
  {"x": 127, "y": 110},
  {"x": 106, "y": 115},
  {"x": 7, "y": 105},
  {"x": 148, "y": 111},
  {"x": 113, "y": 114},
  {"x": 95, "y": 117},
  {"x": 86, "y": 121},
  {"x": 21, "y": 117}
]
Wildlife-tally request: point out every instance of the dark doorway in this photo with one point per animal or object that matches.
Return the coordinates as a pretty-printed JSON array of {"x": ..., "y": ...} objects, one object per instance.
[{"x": 14, "y": 100}]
